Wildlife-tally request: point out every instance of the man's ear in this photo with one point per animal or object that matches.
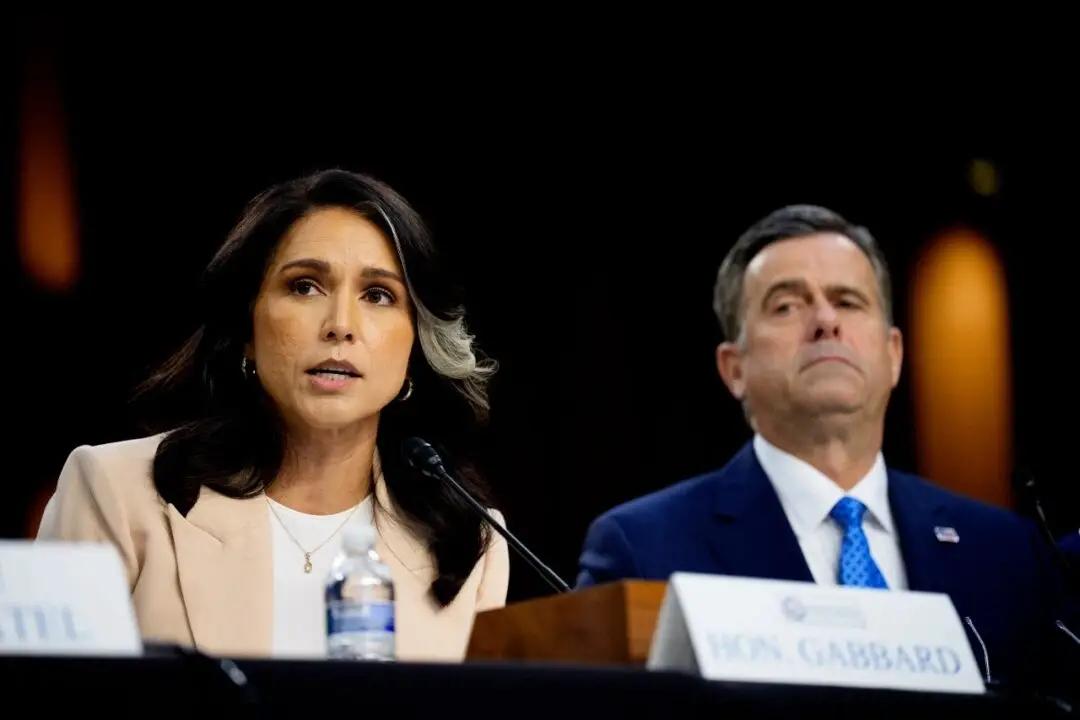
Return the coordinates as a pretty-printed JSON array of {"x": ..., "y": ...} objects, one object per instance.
[{"x": 729, "y": 363}]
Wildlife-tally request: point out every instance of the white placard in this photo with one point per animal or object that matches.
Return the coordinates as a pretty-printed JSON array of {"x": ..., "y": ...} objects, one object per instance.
[
  {"x": 61, "y": 598},
  {"x": 744, "y": 629}
]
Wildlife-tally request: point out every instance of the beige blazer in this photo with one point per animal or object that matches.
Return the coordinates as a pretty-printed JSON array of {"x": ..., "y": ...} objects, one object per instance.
[{"x": 206, "y": 580}]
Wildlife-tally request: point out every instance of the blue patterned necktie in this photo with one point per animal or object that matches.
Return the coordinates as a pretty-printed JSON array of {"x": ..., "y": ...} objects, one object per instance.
[{"x": 857, "y": 566}]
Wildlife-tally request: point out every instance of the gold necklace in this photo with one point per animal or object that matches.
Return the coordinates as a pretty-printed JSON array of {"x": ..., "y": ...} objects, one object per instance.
[{"x": 312, "y": 551}]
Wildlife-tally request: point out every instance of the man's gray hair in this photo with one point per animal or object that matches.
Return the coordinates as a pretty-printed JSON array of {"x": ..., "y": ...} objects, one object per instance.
[{"x": 789, "y": 222}]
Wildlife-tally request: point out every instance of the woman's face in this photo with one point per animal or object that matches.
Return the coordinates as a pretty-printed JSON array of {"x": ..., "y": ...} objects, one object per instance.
[{"x": 333, "y": 324}]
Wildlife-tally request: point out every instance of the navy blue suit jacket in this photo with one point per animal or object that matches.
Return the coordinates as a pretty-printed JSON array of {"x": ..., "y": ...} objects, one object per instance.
[{"x": 730, "y": 522}]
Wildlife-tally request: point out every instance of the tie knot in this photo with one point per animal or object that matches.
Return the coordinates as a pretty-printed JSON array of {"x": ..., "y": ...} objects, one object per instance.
[{"x": 848, "y": 512}]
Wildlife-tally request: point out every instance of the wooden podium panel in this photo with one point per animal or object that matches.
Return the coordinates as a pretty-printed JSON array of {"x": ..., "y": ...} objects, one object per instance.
[{"x": 605, "y": 624}]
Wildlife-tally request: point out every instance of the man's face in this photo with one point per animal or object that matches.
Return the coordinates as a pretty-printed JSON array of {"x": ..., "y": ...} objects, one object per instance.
[{"x": 815, "y": 342}]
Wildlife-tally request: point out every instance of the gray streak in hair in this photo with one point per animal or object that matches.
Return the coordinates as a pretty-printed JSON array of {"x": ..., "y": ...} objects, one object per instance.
[{"x": 446, "y": 342}]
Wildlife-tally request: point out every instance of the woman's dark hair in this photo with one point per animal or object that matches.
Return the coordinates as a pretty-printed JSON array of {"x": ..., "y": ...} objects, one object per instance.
[{"x": 232, "y": 440}]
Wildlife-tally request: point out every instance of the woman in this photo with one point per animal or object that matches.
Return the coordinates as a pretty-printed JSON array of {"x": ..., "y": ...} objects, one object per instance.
[{"x": 328, "y": 337}]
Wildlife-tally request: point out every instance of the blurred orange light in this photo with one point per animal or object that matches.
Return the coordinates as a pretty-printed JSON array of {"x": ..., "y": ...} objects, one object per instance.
[
  {"x": 961, "y": 368},
  {"x": 48, "y": 239}
]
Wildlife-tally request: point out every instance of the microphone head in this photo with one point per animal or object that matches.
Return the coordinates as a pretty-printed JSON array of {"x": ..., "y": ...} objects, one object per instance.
[{"x": 422, "y": 457}]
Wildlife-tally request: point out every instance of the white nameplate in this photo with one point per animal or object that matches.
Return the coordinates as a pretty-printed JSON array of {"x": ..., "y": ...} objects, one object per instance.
[
  {"x": 65, "y": 599},
  {"x": 774, "y": 631}
]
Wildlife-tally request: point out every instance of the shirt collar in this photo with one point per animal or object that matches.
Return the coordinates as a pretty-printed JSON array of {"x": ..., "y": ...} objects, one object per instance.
[{"x": 807, "y": 495}]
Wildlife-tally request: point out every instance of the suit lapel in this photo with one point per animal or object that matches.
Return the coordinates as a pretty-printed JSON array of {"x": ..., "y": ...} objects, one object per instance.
[
  {"x": 225, "y": 567},
  {"x": 752, "y": 535},
  {"x": 916, "y": 511}
]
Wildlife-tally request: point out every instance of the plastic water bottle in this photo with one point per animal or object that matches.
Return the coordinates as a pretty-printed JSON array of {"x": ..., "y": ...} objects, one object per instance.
[{"x": 359, "y": 600}]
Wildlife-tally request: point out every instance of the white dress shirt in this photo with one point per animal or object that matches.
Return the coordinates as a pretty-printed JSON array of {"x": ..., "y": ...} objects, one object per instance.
[{"x": 807, "y": 496}]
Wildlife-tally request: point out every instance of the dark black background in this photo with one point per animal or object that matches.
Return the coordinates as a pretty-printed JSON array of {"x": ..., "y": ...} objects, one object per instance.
[{"x": 584, "y": 185}]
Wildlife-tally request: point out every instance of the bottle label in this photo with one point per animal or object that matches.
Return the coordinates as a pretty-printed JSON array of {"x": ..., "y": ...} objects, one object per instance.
[{"x": 355, "y": 617}]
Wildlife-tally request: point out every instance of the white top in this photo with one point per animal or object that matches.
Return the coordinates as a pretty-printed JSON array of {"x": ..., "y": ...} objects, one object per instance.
[
  {"x": 299, "y": 610},
  {"x": 807, "y": 495}
]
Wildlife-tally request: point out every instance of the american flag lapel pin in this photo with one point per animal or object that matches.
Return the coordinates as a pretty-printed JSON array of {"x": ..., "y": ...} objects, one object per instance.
[{"x": 946, "y": 534}]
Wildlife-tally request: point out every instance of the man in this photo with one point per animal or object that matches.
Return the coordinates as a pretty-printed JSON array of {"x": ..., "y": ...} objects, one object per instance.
[{"x": 812, "y": 354}]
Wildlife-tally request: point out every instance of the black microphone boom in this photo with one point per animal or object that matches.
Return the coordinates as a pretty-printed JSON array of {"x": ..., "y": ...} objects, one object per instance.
[{"x": 422, "y": 457}]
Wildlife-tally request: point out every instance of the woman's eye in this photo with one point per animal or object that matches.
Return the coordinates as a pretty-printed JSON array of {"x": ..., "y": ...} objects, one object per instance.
[
  {"x": 379, "y": 296},
  {"x": 303, "y": 287}
]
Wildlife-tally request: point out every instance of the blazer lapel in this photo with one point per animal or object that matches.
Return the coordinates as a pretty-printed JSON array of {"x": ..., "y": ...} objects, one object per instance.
[
  {"x": 224, "y": 561},
  {"x": 752, "y": 536},
  {"x": 225, "y": 567}
]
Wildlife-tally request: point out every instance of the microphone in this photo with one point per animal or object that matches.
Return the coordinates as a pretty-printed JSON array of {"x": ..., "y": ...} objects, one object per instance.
[
  {"x": 988, "y": 678},
  {"x": 424, "y": 459},
  {"x": 1070, "y": 574},
  {"x": 1064, "y": 628},
  {"x": 1044, "y": 525}
]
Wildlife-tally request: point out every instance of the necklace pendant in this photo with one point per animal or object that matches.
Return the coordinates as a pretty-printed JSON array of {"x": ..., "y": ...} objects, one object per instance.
[{"x": 307, "y": 562}]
